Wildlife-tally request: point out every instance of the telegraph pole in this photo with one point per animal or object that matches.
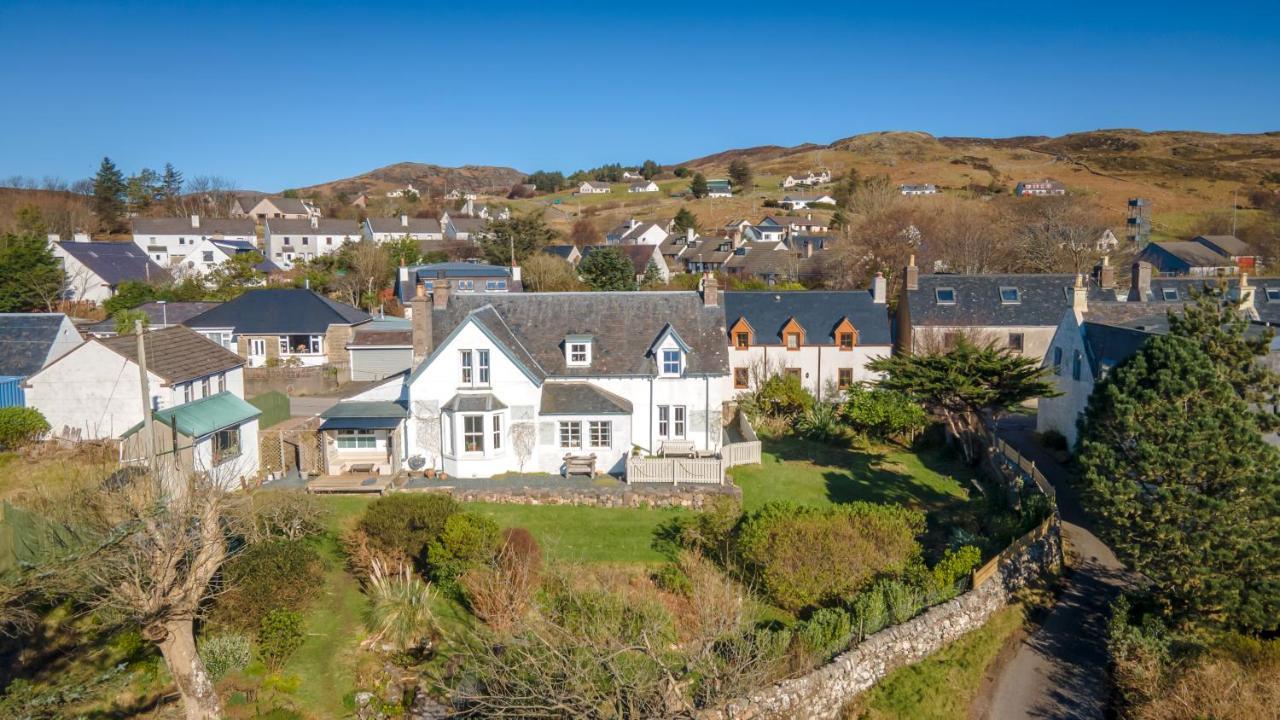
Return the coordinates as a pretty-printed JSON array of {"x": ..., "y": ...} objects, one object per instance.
[{"x": 148, "y": 430}]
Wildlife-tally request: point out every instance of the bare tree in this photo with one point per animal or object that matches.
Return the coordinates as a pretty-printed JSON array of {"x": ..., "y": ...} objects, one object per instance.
[
  {"x": 368, "y": 270},
  {"x": 524, "y": 437},
  {"x": 427, "y": 420}
]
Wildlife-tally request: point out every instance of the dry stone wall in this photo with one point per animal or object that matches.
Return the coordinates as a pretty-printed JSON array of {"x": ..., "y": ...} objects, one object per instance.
[{"x": 694, "y": 497}]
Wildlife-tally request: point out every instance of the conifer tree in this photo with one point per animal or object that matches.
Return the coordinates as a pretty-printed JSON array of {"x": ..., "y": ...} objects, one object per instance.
[
  {"x": 698, "y": 186},
  {"x": 109, "y": 195}
]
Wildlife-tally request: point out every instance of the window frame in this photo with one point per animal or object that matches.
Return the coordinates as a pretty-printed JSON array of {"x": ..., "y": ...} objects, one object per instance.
[
  {"x": 206, "y": 386},
  {"x": 840, "y": 341},
  {"x": 741, "y": 378},
  {"x": 496, "y": 430},
  {"x": 466, "y": 364},
  {"x": 473, "y": 438},
  {"x": 667, "y": 362},
  {"x": 483, "y": 368},
  {"x": 1272, "y": 292},
  {"x": 1165, "y": 293},
  {"x": 1076, "y": 361},
  {"x": 1016, "y": 298},
  {"x": 257, "y": 346},
  {"x": 1020, "y": 346},
  {"x": 742, "y": 340},
  {"x": 569, "y": 434},
  {"x": 354, "y": 439},
  {"x": 938, "y": 295},
  {"x": 221, "y": 450},
  {"x": 599, "y": 433},
  {"x": 787, "y": 340},
  {"x": 575, "y": 348},
  {"x": 679, "y": 419},
  {"x": 844, "y": 378},
  {"x": 1057, "y": 360},
  {"x": 664, "y": 421}
]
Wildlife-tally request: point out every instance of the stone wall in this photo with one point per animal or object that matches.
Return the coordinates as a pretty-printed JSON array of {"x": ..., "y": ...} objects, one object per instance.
[
  {"x": 694, "y": 497},
  {"x": 822, "y": 693}
]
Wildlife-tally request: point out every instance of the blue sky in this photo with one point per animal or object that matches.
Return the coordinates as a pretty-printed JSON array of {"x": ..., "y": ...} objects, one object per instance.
[{"x": 277, "y": 95}]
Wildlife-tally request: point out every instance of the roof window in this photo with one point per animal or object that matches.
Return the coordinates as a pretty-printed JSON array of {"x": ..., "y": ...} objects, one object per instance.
[
  {"x": 1010, "y": 296},
  {"x": 945, "y": 295}
]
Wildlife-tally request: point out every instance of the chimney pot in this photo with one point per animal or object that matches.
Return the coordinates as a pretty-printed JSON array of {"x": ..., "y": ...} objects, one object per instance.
[
  {"x": 911, "y": 275},
  {"x": 710, "y": 290},
  {"x": 404, "y": 220},
  {"x": 1106, "y": 274}
]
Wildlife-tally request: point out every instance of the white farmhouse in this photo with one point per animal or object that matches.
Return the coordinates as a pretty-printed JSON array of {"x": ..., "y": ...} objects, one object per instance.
[
  {"x": 802, "y": 201},
  {"x": 168, "y": 240},
  {"x": 591, "y": 187},
  {"x": 634, "y": 232},
  {"x": 824, "y": 338},
  {"x": 643, "y": 186},
  {"x": 288, "y": 241}
]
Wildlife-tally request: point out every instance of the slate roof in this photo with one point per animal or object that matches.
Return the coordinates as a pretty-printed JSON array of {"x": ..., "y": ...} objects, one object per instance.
[
  {"x": 471, "y": 402},
  {"x": 1228, "y": 244},
  {"x": 176, "y": 353},
  {"x": 176, "y": 313},
  {"x": 817, "y": 311},
  {"x": 291, "y": 206},
  {"x": 365, "y": 408},
  {"x": 468, "y": 224},
  {"x": 115, "y": 262},
  {"x": 416, "y": 226},
  {"x": 1109, "y": 345},
  {"x": 382, "y": 338},
  {"x": 453, "y": 270},
  {"x": 580, "y": 398},
  {"x": 623, "y": 325},
  {"x": 805, "y": 197},
  {"x": 277, "y": 311},
  {"x": 235, "y": 247},
  {"x": 302, "y": 226},
  {"x": 182, "y": 226},
  {"x": 1042, "y": 300},
  {"x": 564, "y": 252},
  {"x": 1193, "y": 254},
  {"x": 25, "y": 340}
]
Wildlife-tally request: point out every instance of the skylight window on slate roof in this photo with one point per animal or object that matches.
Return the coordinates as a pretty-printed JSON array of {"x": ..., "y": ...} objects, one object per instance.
[
  {"x": 945, "y": 296},
  {"x": 1010, "y": 296},
  {"x": 1273, "y": 293},
  {"x": 1169, "y": 293}
]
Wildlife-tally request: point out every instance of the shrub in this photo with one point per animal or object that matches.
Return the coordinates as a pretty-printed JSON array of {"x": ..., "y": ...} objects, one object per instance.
[
  {"x": 869, "y": 611},
  {"x": 267, "y": 576},
  {"x": 279, "y": 637},
  {"x": 947, "y": 578},
  {"x": 1054, "y": 440},
  {"x": 20, "y": 425},
  {"x": 709, "y": 532},
  {"x": 401, "y": 612},
  {"x": 902, "y": 601},
  {"x": 821, "y": 423},
  {"x": 597, "y": 615},
  {"x": 882, "y": 414},
  {"x": 780, "y": 397},
  {"x": 225, "y": 654},
  {"x": 804, "y": 556},
  {"x": 407, "y": 523},
  {"x": 468, "y": 540},
  {"x": 825, "y": 633},
  {"x": 501, "y": 593},
  {"x": 672, "y": 579},
  {"x": 279, "y": 514}
]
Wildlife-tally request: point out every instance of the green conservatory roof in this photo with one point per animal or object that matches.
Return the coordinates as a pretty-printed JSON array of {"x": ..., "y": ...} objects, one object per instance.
[{"x": 205, "y": 416}]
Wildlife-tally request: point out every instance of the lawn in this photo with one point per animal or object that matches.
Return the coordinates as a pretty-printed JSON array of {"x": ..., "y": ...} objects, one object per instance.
[{"x": 584, "y": 534}]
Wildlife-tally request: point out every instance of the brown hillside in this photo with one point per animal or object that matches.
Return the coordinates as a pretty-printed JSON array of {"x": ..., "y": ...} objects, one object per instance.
[{"x": 435, "y": 178}]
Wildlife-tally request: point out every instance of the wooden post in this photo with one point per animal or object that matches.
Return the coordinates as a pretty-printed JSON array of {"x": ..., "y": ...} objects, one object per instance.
[{"x": 148, "y": 429}]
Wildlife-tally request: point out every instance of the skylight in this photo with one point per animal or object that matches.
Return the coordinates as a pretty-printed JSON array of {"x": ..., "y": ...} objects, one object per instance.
[
  {"x": 945, "y": 295},
  {"x": 1169, "y": 293},
  {"x": 1273, "y": 293},
  {"x": 1010, "y": 296}
]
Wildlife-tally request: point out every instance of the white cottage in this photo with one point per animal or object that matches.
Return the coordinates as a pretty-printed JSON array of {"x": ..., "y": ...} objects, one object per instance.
[{"x": 168, "y": 240}]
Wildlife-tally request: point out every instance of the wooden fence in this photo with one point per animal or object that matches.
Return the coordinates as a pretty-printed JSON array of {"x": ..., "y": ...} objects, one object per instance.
[
  {"x": 988, "y": 570},
  {"x": 1018, "y": 464},
  {"x": 743, "y": 453},
  {"x": 705, "y": 471}
]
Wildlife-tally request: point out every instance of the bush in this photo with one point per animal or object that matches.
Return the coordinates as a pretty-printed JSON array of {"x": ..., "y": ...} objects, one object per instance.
[
  {"x": 279, "y": 514},
  {"x": 806, "y": 557},
  {"x": 781, "y": 397},
  {"x": 265, "y": 577},
  {"x": 401, "y": 612},
  {"x": 672, "y": 579},
  {"x": 500, "y": 593},
  {"x": 821, "y": 423},
  {"x": 1054, "y": 440},
  {"x": 225, "y": 654},
  {"x": 407, "y": 523},
  {"x": 709, "y": 532},
  {"x": 467, "y": 541},
  {"x": 869, "y": 611},
  {"x": 279, "y": 637},
  {"x": 827, "y": 632},
  {"x": 948, "y": 577},
  {"x": 882, "y": 414},
  {"x": 20, "y": 426}
]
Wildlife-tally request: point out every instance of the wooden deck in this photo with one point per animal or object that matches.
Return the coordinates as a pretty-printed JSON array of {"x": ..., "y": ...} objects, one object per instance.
[{"x": 352, "y": 484}]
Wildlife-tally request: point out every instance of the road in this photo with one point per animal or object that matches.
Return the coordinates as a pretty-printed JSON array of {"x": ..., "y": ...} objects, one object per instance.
[
  {"x": 1060, "y": 670},
  {"x": 309, "y": 405}
]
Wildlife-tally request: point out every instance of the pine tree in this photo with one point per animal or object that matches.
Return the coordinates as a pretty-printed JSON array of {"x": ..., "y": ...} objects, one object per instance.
[
  {"x": 171, "y": 186},
  {"x": 30, "y": 276},
  {"x": 652, "y": 275},
  {"x": 607, "y": 269},
  {"x": 684, "y": 220},
  {"x": 740, "y": 174},
  {"x": 523, "y": 235},
  {"x": 109, "y": 195},
  {"x": 1189, "y": 493},
  {"x": 698, "y": 186}
]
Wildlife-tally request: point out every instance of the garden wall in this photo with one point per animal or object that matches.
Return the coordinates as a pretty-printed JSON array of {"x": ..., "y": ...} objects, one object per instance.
[
  {"x": 823, "y": 692},
  {"x": 695, "y": 497}
]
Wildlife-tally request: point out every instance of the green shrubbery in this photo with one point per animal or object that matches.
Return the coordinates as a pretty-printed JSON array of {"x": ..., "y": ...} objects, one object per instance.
[
  {"x": 821, "y": 423},
  {"x": 20, "y": 425},
  {"x": 466, "y": 541},
  {"x": 779, "y": 398},
  {"x": 882, "y": 414},
  {"x": 225, "y": 654},
  {"x": 279, "y": 637},
  {"x": 405, "y": 524},
  {"x": 264, "y": 577}
]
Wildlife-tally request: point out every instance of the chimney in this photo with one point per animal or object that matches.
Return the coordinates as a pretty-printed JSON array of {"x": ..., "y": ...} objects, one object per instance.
[
  {"x": 710, "y": 290},
  {"x": 404, "y": 220},
  {"x": 808, "y": 248},
  {"x": 1246, "y": 295},
  {"x": 315, "y": 222},
  {"x": 515, "y": 273},
  {"x": 879, "y": 289},
  {"x": 81, "y": 237},
  {"x": 440, "y": 294},
  {"x": 1080, "y": 296},
  {"x": 688, "y": 236},
  {"x": 1106, "y": 274},
  {"x": 420, "y": 322},
  {"x": 195, "y": 221},
  {"x": 632, "y": 224},
  {"x": 912, "y": 274},
  {"x": 1140, "y": 283}
]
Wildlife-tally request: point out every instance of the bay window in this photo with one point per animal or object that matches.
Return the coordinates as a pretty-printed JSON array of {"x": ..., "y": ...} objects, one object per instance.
[{"x": 473, "y": 433}]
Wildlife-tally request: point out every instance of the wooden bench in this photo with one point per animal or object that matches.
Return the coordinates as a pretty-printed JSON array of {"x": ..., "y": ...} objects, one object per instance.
[
  {"x": 359, "y": 468},
  {"x": 682, "y": 448},
  {"x": 579, "y": 465}
]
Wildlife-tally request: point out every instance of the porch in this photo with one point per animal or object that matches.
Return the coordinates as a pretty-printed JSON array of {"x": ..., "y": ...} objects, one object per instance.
[{"x": 362, "y": 439}]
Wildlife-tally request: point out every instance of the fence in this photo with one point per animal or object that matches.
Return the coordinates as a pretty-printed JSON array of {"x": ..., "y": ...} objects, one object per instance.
[
  {"x": 300, "y": 448},
  {"x": 1018, "y": 464},
  {"x": 743, "y": 453},
  {"x": 706, "y": 471},
  {"x": 274, "y": 406}
]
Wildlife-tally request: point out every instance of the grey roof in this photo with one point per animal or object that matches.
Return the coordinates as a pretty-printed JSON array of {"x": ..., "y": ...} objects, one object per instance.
[
  {"x": 805, "y": 197},
  {"x": 421, "y": 273},
  {"x": 580, "y": 398},
  {"x": 287, "y": 205},
  {"x": 468, "y": 224},
  {"x": 596, "y": 184},
  {"x": 818, "y": 312},
  {"x": 472, "y": 402},
  {"x": 176, "y": 313},
  {"x": 533, "y": 326},
  {"x": 236, "y": 247},
  {"x": 365, "y": 408},
  {"x": 1042, "y": 300},
  {"x": 1109, "y": 345},
  {"x": 1226, "y": 244},
  {"x": 564, "y": 252},
  {"x": 275, "y": 311},
  {"x": 25, "y": 340},
  {"x": 115, "y": 262},
  {"x": 1193, "y": 254},
  {"x": 182, "y": 226},
  {"x": 176, "y": 353},
  {"x": 417, "y": 226},
  {"x": 302, "y": 226}
]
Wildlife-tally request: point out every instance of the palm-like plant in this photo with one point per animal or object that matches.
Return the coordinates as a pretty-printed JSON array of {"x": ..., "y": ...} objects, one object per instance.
[{"x": 401, "y": 615}]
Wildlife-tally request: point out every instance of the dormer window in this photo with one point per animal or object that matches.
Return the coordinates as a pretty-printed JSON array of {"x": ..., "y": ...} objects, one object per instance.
[
  {"x": 742, "y": 340},
  {"x": 945, "y": 296},
  {"x": 672, "y": 363},
  {"x": 846, "y": 341},
  {"x": 1010, "y": 296},
  {"x": 742, "y": 334},
  {"x": 577, "y": 350}
]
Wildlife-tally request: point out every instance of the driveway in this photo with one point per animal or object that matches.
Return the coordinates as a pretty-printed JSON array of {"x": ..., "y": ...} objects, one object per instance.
[
  {"x": 1060, "y": 671},
  {"x": 310, "y": 405}
]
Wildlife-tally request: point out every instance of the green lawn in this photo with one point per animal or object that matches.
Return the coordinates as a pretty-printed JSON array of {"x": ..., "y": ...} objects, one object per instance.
[
  {"x": 818, "y": 474},
  {"x": 584, "y": 534}
]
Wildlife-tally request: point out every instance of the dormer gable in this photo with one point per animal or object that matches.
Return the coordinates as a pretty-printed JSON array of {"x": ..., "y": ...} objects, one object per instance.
[
  {"x": 742, "y": 335},
  {"x": 845, "y": 335},
  {"x": 577, "y": 350},
  {"x": 792, "y": 334},
  {"x": 670, "y": 352}
]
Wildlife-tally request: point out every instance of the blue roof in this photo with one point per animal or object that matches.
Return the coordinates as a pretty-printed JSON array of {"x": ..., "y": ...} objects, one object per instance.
[
  {"x": 421, "y": 273},
  {"x": 817, "y": 311},
  {"x": 363, "y": 415}
]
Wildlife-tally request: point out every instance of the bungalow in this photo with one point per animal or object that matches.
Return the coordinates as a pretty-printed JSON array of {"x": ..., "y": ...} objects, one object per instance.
[
  {"x": 772, "y": 262},
  {"x": 793, "y": 224},
  {"x": 382, "y": 230},
  {"x": 634, "y": 232},
  {"x": 823, "y": 338},
  {"x": 168, "y": 240},
  {"x": 1190, "y": 258},
  {"x": 1039, "y": 188},
  {"x": 640, "y": 257},
  {"x": 95, "y": 390},
  {"x": 28, "y": 343},
  {"x": 263, "y": 207},
  {"x": 719, "y": 189},
  {"x": 631, "y": 175},
  {"x": 282, "y": 326},
  {"x": 210, "y": 254},
  {"x": 93, "y": 270},
  {"x": 591, "y": 187},
  {"x": 917, "y": 190},
  {"x": 800, "y": 202},
  {"x": 644, "y": 186},
  {"x": 160, "y": 315},
  {"x": 466, "y": 277},
  {"x": 288, "y": 241},
  {"x": 708, "y": 254}
]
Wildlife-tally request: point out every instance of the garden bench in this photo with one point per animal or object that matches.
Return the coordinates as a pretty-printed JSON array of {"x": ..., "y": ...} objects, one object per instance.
[
  {"x": 360, "y": 468},
  {"x": 681, "y": 448},
  {"x": 579, "y": 465}
]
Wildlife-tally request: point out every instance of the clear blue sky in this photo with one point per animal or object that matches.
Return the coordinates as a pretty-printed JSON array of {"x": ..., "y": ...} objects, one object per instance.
[{"x": 276, "y": 95}]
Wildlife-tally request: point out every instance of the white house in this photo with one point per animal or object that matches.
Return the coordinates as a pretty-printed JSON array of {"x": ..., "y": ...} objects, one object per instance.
[
  {"x": 93, "y": 270},
  {"x": 824, "y": 338},
  {"x": 168, "y": 240},
  {"x": 407, "y": 191},
  {"x": 719, "y": 189},
  {"x": 799, "y": 202},
  {"x": 288, "y": 241},
  {"x": 1107, "y": 241},
  {"x": 95, "y": 392},
  {"x": 262, "y": 207},
  {"x": 29, "y": 342},
  {"x": 643, "y": 186},
  {"x": 916, "y": 190},
  {"x": 808, "y": 179},
  {"x": 634, "y": 232},
  {"x": 456, "y": 194},
  {"x": 382, "y": 230},
  {"x": 591, "y": 187},
  {"x": 211, "y": 253},
  {"x": 628, "y": 175},
  {"x": 511, "y": 383}
]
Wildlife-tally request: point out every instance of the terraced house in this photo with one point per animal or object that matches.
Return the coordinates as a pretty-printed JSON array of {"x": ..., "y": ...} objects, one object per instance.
[{"x": 288, "y": 240}]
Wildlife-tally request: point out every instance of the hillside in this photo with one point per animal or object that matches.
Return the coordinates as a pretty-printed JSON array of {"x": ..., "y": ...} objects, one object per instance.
[{"x": 434, "y": 178}]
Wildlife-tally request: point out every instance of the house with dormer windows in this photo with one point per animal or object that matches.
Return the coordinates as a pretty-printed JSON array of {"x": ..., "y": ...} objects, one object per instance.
[
  {"x": 525, "y": 382},
  {"x": 824, "y": 338}
]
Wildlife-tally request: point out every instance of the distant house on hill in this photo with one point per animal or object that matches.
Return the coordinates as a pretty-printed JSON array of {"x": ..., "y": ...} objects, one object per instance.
[
  {"x": 262, "y": 207},
  {"x": 802, "y": 201},
  {"x": 915, "y": 190},
  {"x": 634, "y": 232},
  {"x": 719, "y": 189},
  {"x": 456, "y": 194},
  {"x": 94, "y": 270},
  {"x": 630, "y": 175},
  {"x": 591, "y": 187},
  {"x": 1106, "y": 241},
  {"x": 170, "y": 239},
  {"x": 407, "y": 191},
  {"x": 644, "y": 186},
  {"x": 1039, "y": 188},
  {"x": 808, "y": 179}
]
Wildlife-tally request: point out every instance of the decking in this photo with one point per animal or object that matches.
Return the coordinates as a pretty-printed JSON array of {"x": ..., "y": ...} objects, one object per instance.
[{"x": 352, "y": 484}]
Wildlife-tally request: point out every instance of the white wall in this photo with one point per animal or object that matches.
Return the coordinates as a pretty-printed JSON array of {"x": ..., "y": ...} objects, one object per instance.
[
  {"x": 1060, "y": 413},
  {"x": 178, "y": 246},
  {"x": 81, "y": 282},
  {"x": 93, "y": 390},
  {"x": 317, "y": 243},
  {"x": 819, "y": 364}
]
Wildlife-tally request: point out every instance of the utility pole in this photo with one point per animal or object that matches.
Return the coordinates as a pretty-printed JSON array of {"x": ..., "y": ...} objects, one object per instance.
[
  {"x": 1233, "y": 213},
  {"x": 148, "y": 430}
]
